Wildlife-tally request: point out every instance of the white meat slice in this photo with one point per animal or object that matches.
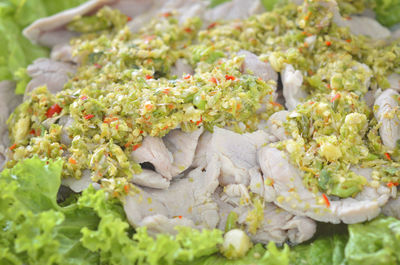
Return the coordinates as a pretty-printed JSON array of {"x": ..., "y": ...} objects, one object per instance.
[
  {"x": 293, "y": 93},
  {"x": 181, "y": 67},
  {"x": 63, "y": 53},
  {"x": 236, "y": 9},
  {"x": 278, "y": 225},
  {"x": 159, "y": 223},
  {"x": 51, "y": 73},
  {"x": 78, "y": 185},
  {"x": 182, "y": 146},
  {"x": 154, "y": 151},
  {"x": 291, "y": 195},
  {"x": 51, "y": 31},
  {"x": 237, "y": 154},
  {"x": 66, "y": 122},
  {"x": 253, "y": 65},
  {"x": 392, "y": 208},
  {"x": 387, "y": 104},
  {"x": 369, "y": 98},
  {"x": 149, "y": 178},
  {"x": 394, "y": 80},
  {"x": 189, "y": 198},
  {"x": 362, "y": 25},
  {"x": 132, "y": 8},
  {"x": 200, "y": 156},
  {"x": 184, "y": 9},
  {"x": 275, "y": 125},
  {"x": 9, "y": 102}
]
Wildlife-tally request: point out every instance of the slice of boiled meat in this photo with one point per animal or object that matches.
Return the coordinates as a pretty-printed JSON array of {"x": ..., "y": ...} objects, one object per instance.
[
  {"x": 188, "y": 201},
  {"x": 9, "y": 102},
  {"x": 237, "y": 154},
  {"x": 236, "y": 9},
  {"x": 154, "y": 151},
  {"x": 293, "y": 196},
  {"x": 275, "y": 125},
  {"x": 50, "y": 73},
  {"x": 151, "y": 179},
  {"x": 51, "y": 31},
  {"x": 182, "y": 146},
  {"x": 293, "y": 93},
  {"x": 386, "y": 106}
]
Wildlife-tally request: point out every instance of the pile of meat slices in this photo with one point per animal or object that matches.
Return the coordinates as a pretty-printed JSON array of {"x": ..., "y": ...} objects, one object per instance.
[{"x": 197, "y": 179}]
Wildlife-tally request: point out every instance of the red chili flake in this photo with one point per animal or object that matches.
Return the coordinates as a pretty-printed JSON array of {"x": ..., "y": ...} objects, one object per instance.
[
  {"x": 212, "y": 25},
  {"x": 88, "y": 117},
  {"x": 166, "y": 14},
  {"x": 326, "y": 200},
  {"x": 311, "y": 102},
  {"x": 13, "y": 147},
  {"x": 135, "y": 147},
  {"x": 230, "y": 77},
  {"x": 126, "y": 188},
  {"x": 149, "y": 77},
  {"x": 328, "y": 43},
  {"x": 98, "y": 66},
  {"x": 141, "y": 132},
  {"x": 165, "y": 127},
  {"x": 166, "y": 91},
  {"x": 276, "y": 104},
  {"x": 187, "y": 77},
  {"x": 348, "y": 40},
  {"x": 180, "y": 216},
  {"x": 188, "y": 30},
  {"x": 84, "y": 98},
  {"x": 149, "y": 106},
  {"x": 117, "y": 126},
  {"x": 33, "y": 132},
  {"x": 337, "y": 96},
  {"x": 53, "y": 110},
  {"x": 328, "y": 86},
  {"x": 128, "y": 18},
  {"x": 199, "y": 121},
  {"x": 390, "y": 184},
  {"x": 72, "y": 161},
  {"x": 388, "y": 156},
  {"x": 213, "y": 79}
]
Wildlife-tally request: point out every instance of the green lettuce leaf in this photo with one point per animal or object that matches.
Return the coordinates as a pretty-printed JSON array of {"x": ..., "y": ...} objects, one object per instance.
[
  {"x": 376, "y": 242},
  {"x": 33, "y": 228},
  {"x": 87, "y": 229},
  {"x": 387, "y": 12},
  {"x": 270, "y": 255},
  {"x": 324, "y": 250}
]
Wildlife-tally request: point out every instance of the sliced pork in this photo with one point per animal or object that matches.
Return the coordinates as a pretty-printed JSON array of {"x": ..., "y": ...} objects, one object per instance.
[
  {"x": 154, "y": 151},
  {"x": 293, "y": 93},
  {"x": 9, "y": 102},
  {"x": 237, "y": 154},
  {"x": 236, "y": 9},
  {"x": 151, "y": 179},
  {"x": 291, "y": 194},
  {"x": 51, "y": 31},
  {"x": 386, "y": 106},
  {"x": 50, "y": 73},
  {"x": 275, "y": 124},
  {"x": 187, "y": 200}
]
